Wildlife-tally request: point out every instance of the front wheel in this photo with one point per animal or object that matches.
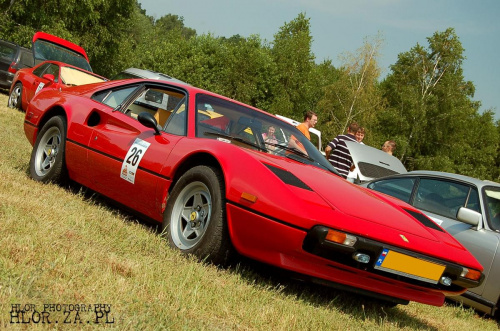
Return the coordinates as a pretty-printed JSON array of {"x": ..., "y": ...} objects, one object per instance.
[
  {"x": 195, "y": 218},
  {"x": 15, "y": 97},
  {"x": 47, "y": 158}
]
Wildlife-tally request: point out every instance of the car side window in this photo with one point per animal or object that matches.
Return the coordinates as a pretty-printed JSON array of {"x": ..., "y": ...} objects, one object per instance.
[
  {"x": 400, "y": 188},
  {"x": 26, "y": 59},
  {"x": 473, "y": 201},
  {"x": 114, "y": 98},
  {"x": 165, "y": 105},
  {"x": 177, "y": 122},
  {"x": 7, "y": 52},
  {"x": 40, "y": 70},
  {"x": 442, "y": 197},
  {"x": 52, "y": 69},
  {"x": 492, "y": 205}
]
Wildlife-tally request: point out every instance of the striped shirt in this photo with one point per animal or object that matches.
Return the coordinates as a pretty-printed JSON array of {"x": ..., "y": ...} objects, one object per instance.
[{"x": 340, "y": 157}]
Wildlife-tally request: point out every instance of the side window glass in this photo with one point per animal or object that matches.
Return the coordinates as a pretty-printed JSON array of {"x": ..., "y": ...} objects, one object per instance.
[
  {"x": 26, "y": 59},
  {"x": 114, "y": 98},
  {"x": 473, "y": 201},
  {"x": 39, "y": 71},
  {"x": 441, "y": 197},
  {"x": 493, "y": 207},
  {"x": 53, "y": 69},
  {"x": 7, "y": 52},
  {"x": 159, "y": 102},
  {"x": 177, "y": 121},
  {"x": 400, "y": 188}
]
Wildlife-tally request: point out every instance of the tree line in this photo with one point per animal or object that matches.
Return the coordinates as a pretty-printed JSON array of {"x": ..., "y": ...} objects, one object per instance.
[{"x": 424, "y": 103}]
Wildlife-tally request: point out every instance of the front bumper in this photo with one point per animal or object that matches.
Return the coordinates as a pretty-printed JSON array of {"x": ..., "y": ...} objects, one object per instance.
[
  {"x": 315, "y": 243},
  {"x": 304, "y": 252}
]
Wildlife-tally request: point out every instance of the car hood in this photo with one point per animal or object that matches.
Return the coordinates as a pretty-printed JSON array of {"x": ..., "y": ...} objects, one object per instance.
[
  {"x": 361, "y": 203},
  {"x": 357, "y": 210},
  {"x": 373, "y": 163}
]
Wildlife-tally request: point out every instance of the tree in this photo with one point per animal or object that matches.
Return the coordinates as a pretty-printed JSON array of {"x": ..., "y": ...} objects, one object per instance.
[
  {"x": 173, "y": 22},
  {"x": 430, "y": 110},
  {"x": 98, "y": 26},
  {"x": 354, "y": 95},
  {"x": 294, "y": 61}
]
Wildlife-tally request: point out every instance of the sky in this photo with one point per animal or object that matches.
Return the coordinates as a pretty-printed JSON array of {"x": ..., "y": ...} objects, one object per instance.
[{"x": 340, "y": 26}]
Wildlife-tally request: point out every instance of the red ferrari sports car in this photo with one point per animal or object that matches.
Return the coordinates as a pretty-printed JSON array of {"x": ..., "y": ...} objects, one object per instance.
[
  {"x": 198, "y": 164},
  {"x": 48, "y": 75},
  {"x": 59, "y": 63}
]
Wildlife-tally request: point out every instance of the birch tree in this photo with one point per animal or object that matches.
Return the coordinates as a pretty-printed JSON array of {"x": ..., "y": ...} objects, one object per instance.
[{"x": 354, "y": 96}]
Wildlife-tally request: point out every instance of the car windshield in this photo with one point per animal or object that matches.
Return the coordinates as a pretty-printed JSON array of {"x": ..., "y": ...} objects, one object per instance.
[
  {"x": 492, "y": 198},
  {"x": 48, "y": 51},
  {"x": 245, "y": 127}
]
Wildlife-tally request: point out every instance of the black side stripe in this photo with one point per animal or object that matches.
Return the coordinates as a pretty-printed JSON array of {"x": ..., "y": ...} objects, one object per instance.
[
  {"x": 118, "y": 159},
  {"x": 30, "y": 124},
  {"x": 267, "y": 216}
]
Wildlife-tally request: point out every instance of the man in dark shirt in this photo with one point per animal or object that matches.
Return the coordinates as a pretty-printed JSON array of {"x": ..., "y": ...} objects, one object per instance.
[{"x": 337, "y": 152}]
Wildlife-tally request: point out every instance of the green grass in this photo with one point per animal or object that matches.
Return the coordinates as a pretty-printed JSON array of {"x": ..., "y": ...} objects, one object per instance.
[{"x": 63, "y": 246}]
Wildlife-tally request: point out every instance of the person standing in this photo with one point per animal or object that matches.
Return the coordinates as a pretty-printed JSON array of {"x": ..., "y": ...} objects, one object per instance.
[
  {"x": 360, "y": 135},
  {"x": 337, "y": 152},
  {"x": 310, "y": 120},
  {"x": 389, "y": 146},
  {"x": 353, "y": 175}
]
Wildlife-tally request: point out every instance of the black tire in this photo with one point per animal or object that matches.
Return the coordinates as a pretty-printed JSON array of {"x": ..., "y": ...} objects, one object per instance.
[
  {"x": 47, "y": 163},
  {"x": 194, "y": 221},
  {"x": 15, "y": 97},
  {"x": 496, "y": 315}
]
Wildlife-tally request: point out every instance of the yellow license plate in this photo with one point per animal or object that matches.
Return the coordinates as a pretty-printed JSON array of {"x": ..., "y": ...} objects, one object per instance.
[{"x": 409, "y": 266}]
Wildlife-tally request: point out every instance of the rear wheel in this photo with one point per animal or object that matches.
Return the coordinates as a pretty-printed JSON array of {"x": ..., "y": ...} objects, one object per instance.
[
  {"x": 195, "y": 218},
  {"x": 15, "y": 97},
  {"x": 47, "y": 158}
]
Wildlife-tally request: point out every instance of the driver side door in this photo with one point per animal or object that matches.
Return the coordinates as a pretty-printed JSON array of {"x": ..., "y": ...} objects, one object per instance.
[{"x": 125, "y": 157}]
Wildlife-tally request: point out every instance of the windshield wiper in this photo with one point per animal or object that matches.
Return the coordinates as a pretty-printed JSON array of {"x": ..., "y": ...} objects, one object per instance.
[
  {"x": 238, "y": 139},
  {"x": 292, "y": 150},
  {"x": 297, "y": 152}
]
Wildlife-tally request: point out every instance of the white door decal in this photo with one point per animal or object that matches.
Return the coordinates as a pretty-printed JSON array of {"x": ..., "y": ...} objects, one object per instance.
[{"x": 132, "y": 159}]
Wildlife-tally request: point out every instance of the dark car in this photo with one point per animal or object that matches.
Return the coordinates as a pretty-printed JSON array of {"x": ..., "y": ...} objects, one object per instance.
[{"x": 12, "y": 58}]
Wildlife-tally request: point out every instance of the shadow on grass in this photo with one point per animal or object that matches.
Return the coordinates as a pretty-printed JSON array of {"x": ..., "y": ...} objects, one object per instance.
[
  {"x": 359, "y": 306},
  {"x": 272, "y": 278},
  {"x": 495, "y": 318}
]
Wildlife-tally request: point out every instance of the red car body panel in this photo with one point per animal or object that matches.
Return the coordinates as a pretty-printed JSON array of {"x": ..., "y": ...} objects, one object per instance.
[{"x": 273, "y": 229}]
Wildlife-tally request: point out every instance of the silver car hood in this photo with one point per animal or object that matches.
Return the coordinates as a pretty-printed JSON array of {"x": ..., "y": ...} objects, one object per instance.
[{"x": 373, "y": 163}]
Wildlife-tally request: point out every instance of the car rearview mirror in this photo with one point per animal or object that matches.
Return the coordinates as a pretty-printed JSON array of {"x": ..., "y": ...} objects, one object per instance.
[
  {"x": 469, "y": 216},
  {"x": 148, "y": 121},
  {"x": 49, "y": 77}
]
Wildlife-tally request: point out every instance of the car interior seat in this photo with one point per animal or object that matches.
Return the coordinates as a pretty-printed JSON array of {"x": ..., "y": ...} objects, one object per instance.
[{"x": 161, "y": 116}]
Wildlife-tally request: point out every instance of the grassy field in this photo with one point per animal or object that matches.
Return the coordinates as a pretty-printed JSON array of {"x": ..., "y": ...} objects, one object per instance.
[{"x": 61, "y": 246}]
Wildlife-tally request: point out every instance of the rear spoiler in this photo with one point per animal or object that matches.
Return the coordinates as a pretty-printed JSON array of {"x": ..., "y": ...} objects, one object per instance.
[{"x": 61, "y": 42}]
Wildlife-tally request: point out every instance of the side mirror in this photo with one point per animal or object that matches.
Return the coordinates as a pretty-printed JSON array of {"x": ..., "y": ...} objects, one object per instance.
[
  {"x": 148, "y": 121},
  {"x": 469, "y": 216},
  {"x": 49, "y": 77}
]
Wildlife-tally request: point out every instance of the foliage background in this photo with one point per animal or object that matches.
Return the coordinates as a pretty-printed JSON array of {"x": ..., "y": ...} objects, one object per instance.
[{"x": 424, "y": 103}]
